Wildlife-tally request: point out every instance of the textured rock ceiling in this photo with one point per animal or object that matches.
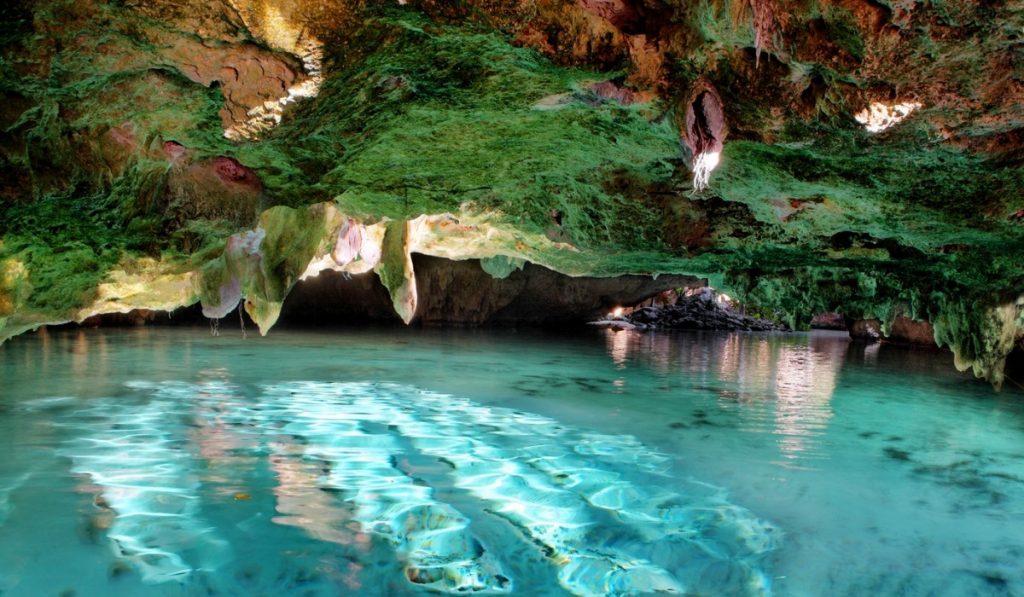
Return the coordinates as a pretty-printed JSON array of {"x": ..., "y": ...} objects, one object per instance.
[{"x": 862, "y": 157}]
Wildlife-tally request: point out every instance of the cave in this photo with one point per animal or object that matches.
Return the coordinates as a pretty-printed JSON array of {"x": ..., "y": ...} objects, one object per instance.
[{"x": 511, "y": 297}]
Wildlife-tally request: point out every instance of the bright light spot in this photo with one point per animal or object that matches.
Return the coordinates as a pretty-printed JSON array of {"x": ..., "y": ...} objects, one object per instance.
[
  {"x": 14, "y": 270},
  {"x": 515, "y": 506},
  {"x": 617, "y": 312},
  {"x": 878, "y": 117},
  {"x": 281, "y": 32},
  {"x": 265, "y": 117},
  {"x": 702, "y": 167}
]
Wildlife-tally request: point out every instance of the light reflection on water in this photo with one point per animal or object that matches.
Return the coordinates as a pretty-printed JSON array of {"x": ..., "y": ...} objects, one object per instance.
[
  {"x": 886, "y": 471},
  {"x": 795, "y": 379}
]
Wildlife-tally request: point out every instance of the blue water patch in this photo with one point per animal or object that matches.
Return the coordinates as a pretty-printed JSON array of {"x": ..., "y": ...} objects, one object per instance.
[
  {"x": 166, "y": 462},
  {"x": 596, "y": 508}
]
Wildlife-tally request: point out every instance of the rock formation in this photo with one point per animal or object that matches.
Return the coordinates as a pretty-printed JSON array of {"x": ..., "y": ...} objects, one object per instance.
[
  {"x": 701, "y": 311},
  {"x": 859, "y": 158}
]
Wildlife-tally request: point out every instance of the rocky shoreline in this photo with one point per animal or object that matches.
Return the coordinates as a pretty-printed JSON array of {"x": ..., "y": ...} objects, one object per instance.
[{"x": 701, "y": 311}]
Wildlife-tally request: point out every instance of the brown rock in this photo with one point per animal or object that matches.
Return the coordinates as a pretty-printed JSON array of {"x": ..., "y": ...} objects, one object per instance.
[
  {"x": 249, "y": 76},
  {"x": 617, "y": 12},
  {"x": 908, "y": 331},
  {"x": 828, "y": 321},
  {"x": 612, "y": 91},
  {"x": 869, "y": 330},
  {"x": 221, "y": 188}
]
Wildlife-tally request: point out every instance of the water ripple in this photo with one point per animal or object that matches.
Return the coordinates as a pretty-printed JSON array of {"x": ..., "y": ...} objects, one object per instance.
[{"x": 603, "y": 510}]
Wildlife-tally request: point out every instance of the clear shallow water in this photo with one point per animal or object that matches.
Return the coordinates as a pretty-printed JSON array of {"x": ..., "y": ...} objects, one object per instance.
[{"x": 168, "y": 462}]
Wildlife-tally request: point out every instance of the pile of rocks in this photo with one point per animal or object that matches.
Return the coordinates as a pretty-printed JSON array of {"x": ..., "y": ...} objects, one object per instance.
[{"x": 701, "y": 311}]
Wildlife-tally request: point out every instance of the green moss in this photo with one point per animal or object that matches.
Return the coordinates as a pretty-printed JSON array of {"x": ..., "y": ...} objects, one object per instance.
[
  {"x": 500, "y": 266},
  {"x": 392, "y": 264},
  {"x": 843, "y": 31},
  {"x": 292, "y": 238},
  {"x": 213, "y": 275},
  {"x": 438, "y": 117},
  {"x": 924, "y": 198}
]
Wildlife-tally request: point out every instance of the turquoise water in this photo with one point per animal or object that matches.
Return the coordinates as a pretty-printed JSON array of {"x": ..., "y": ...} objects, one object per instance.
[{"x": 403, "y": 461}]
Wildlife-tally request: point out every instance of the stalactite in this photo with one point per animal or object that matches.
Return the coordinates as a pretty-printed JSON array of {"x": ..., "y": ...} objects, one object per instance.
[
  {"x": 765, "y": 24},
  {"x": 705, "y": 132}
]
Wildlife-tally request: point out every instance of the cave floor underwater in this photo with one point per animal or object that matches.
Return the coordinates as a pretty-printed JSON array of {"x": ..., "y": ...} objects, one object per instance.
[{"x": 163, "y": 461}]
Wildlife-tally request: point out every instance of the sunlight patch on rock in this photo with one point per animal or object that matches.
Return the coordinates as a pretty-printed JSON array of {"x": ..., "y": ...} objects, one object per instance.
[{"x": 878, "y": 116}]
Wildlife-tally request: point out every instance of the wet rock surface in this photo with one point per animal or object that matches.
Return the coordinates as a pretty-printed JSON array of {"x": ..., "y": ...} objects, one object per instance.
[
  {"x": 828, "y": 321},
  {"x": 700, "y": 312},
  {"x": 867, "y": 330},
  {"x": 908, "y": 331},
  {"x": 903, "y": 330}
]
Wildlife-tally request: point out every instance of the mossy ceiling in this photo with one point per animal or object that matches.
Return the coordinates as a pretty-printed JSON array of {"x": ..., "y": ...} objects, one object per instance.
[{"x": 554, "y": 121}]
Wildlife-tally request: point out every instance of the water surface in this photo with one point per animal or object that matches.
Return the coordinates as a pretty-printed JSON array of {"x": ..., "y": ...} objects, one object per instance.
[{"x": 403, "y": 461}]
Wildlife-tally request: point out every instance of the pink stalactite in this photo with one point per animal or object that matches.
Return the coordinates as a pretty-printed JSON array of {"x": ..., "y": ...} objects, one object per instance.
[
  {"x": 242, "y": 254},
  {"x": 370, "y": 252},
  {"x": 230, "y": 295},
  {"x": 349, "y": 243}
]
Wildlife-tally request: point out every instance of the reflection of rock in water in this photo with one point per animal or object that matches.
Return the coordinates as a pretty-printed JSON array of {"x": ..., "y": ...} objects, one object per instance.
[
  {"x": 794, "y": 377},
  {"x": 302, "y": 503},
  {"x": 230, "y": 432},
  {"x": 804, "y": 384},
  {"x": 600, "y": 509}
]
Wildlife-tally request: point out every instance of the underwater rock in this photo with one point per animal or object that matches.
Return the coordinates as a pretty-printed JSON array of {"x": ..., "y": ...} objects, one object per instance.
[
  {"x": 144, "y": 481},
  {"x": 7, "y": 487},
  {"x": 439, "y": 549},
  {"x": 596, "y": 507}
]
